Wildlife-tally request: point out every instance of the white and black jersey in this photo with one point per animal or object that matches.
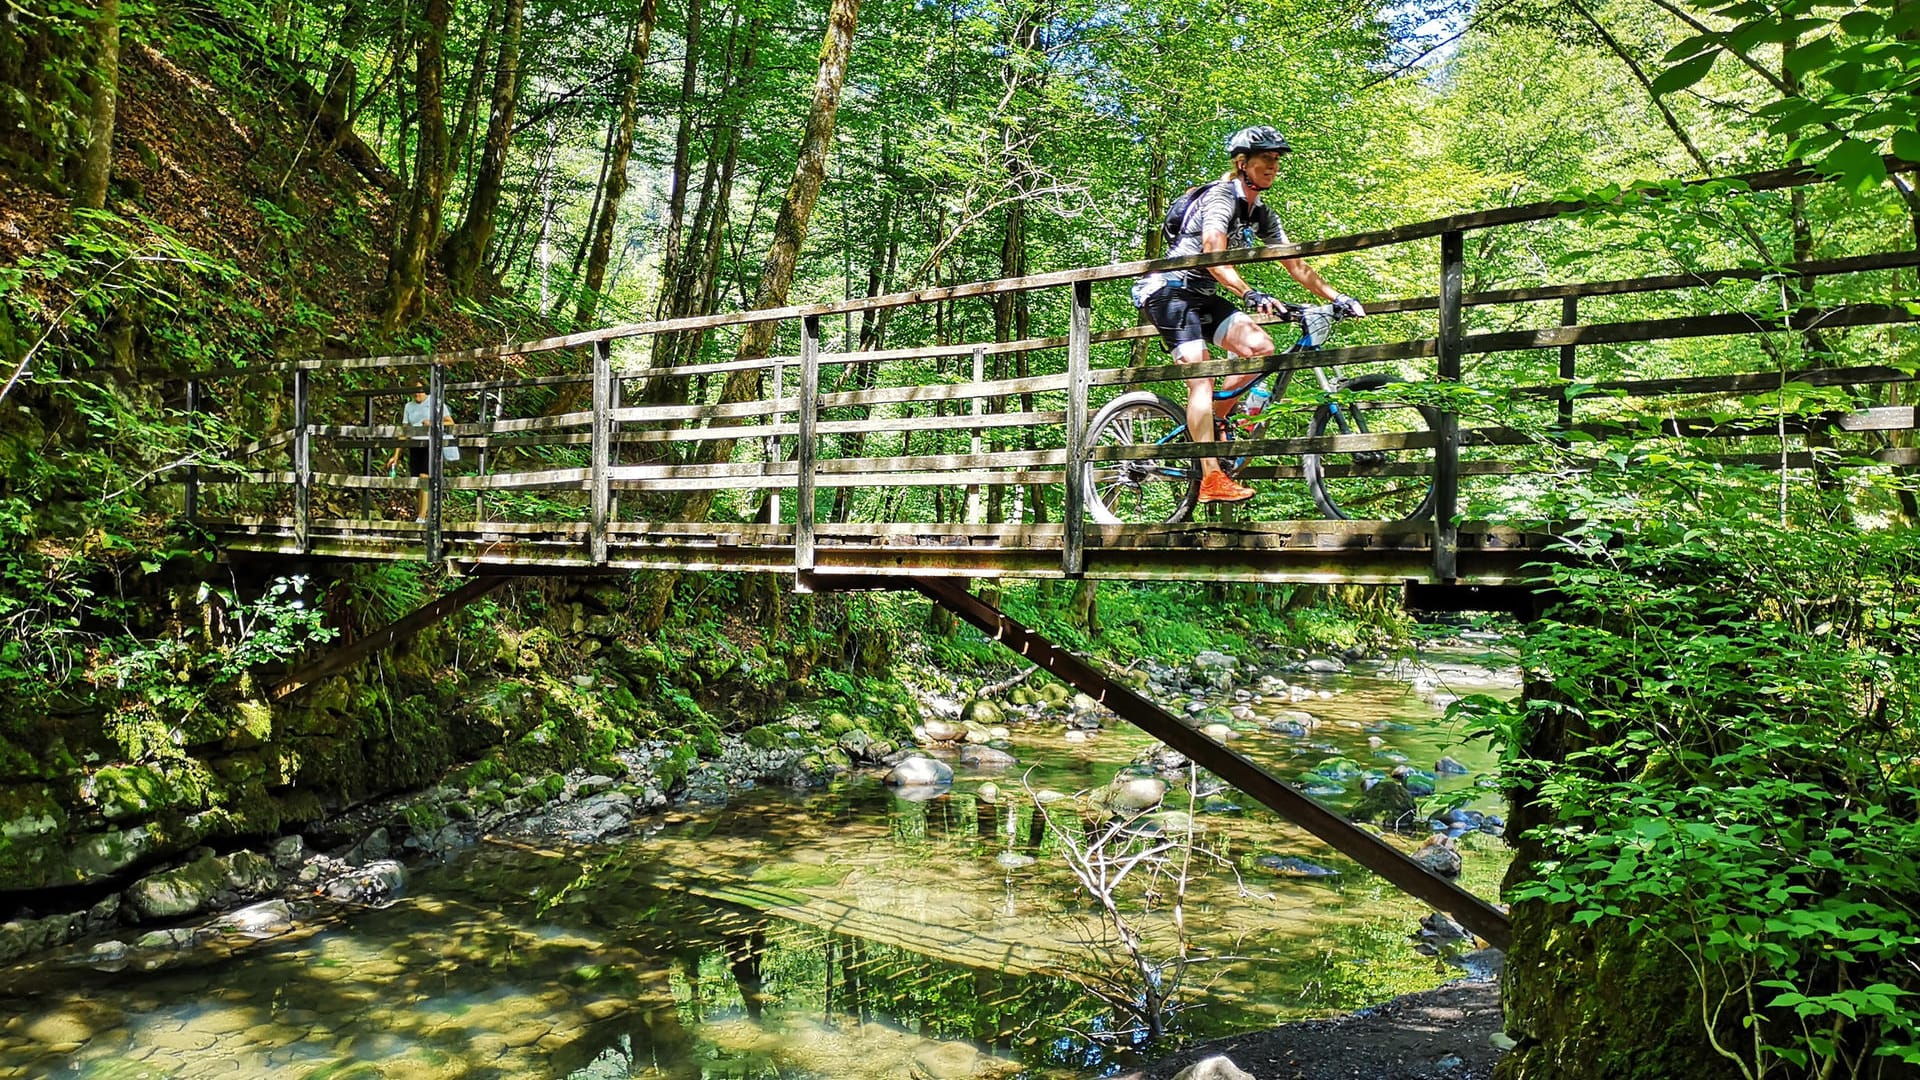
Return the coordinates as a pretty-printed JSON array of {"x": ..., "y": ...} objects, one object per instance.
[{"x": 1222, "y": 207}]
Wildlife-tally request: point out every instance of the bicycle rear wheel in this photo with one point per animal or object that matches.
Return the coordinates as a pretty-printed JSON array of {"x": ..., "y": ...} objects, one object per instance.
[
  {"x": 1145, "y": 491},
  {"x": 1387, "y": 484}
]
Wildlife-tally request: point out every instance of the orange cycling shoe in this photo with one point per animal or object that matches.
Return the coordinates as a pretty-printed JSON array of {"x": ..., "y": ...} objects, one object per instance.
[{"x": 1220, "y": 488}]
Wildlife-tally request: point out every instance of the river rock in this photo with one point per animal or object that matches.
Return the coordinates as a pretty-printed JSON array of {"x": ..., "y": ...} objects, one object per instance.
[
  {"x": 920, "y": 772},
  {"x": 1131, "y": 794},
  {"x": 182, "y": 891},
  {"x": 103, "y": 855},
  {"x": 986, "y": 757},
  {"x": 289, "y": 851},
  {"x": 251, "y": 874},
  {"x": 373, "y": 848},
  {"x": 1293, "y": 866},
  {"x": 940, "y": 731},
  {"x": 1439, "y": 855},
  {"x": 981, "y": 711},
  {"x": 1448, "y": 766},
  {"x": 258, "y": 920},
  {"x": 1218, "y": 1067},
  {"x": 374, "y": 883},
  {"x": 1013, "y": 860},
  {"x": 1338, "y": 768},
  {"x": 1325, "y": 665},
  {"x": 988, "y": 793},
  {"x": 1387, "y": 802},
  {"x": 19, "y": 937},
  {"x": 1439, "y": 929},
  {"x": 172, "y": 939},
  {"x": 1419, "y": 782},
  {"x": 1219, "y": 732}
]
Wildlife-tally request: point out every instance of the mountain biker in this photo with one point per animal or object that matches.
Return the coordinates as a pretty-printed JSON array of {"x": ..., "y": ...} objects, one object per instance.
[{"x": 1189, "y": 312}]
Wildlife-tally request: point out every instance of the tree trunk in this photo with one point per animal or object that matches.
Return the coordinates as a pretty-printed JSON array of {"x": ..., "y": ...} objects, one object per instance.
[
  {"x": 467, "y": 251},
  {"x": 694, "y": 273},
  {"x": 1156, "y": 240},
  {"x": 682, "y": 159},
  {"x": 622, "y": 149},
  {"x": 1010, "y": 309},
  {"x": 470, "y": 100},
  {"x": 882, "y": 256},
  {"x": 406, "y": 272},
  {"x": 776, "y": 273},
  {"x": 96, "y": 164}
]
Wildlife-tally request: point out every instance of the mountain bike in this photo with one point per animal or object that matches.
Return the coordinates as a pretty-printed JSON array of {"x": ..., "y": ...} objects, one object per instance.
[{"x": 1389, "y": 483}]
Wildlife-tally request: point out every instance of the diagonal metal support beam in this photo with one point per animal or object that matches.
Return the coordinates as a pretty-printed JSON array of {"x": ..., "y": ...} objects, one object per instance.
[
  {"x": 1356, "y": 843},
  {"x": 405, "y": 627}
]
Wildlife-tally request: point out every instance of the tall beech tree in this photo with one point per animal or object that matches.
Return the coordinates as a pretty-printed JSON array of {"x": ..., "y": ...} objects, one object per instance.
[
  {"x": 103, "y": 91},
  {"x": 420, "y": 223},
  {"x": 614, "y": 186},
  {"x": 776, "y": 272},
  {"x": 467, "y": 248}
]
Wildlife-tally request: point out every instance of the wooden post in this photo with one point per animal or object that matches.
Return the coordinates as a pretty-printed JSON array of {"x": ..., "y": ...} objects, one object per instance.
[
  {"x": 808, "y": 443},
  {"x": 1079, "y": 361},
  {"x": 193, "y": 470},
  {"x": 614, "y": 396},
  {"x": 600, "y": 493},
  {"x": 977, "y": 510},
  {"x": 480, "y": 465},
  {"x": 436, "y": 457},
  {"x": 366, "y": 459},
  {"x": 1446, "y": 463},
  {"x": 302, "y": 460},
  {"x": 1569, "y": 316},
  {"x": 773, "y": 443}
]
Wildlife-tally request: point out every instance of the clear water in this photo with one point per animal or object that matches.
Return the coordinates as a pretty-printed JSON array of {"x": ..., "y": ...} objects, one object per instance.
[{"x": 845, "y": 933}]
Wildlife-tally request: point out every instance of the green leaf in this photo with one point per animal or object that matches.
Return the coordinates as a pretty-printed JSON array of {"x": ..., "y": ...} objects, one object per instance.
[
  {"x": 1685, "y": 73},
  {"x": 1906, "y": 144},
  {"x": 1857, "y": 165}
]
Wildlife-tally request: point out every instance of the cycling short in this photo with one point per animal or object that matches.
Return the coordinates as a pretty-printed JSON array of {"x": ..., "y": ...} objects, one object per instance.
[{"x": 1183, "y": 315}]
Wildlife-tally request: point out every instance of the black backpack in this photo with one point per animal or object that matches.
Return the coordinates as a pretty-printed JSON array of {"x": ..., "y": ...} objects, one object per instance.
[{"x": 1176, "y": 222}]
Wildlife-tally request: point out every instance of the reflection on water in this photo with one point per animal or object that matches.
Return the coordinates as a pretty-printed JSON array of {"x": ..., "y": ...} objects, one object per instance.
[{"x": 846, "y": 933}]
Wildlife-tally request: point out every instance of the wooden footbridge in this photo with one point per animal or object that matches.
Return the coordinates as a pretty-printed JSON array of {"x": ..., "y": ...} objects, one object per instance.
[{"x": 843, "y": 463}]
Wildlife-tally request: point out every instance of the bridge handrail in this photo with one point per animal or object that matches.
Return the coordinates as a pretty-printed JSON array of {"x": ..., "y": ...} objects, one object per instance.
[{"x": 1453, "y": 224}]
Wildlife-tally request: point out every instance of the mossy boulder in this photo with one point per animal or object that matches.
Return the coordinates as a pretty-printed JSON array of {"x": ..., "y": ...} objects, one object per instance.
[
  {"x": 251, "y": 726},
  {"x": 765, "y": 738},
  {"x": 35, "y": 756},
  {"x": 1388, "y": 803},
  {"x": 123, "y": 792},
  {"x": 982, "y": 713},
  {"x": 32, "y": 838},
  {"x": 175, "y": 893}
]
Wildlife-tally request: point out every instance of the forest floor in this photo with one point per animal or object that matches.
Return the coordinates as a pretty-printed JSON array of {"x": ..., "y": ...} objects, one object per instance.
[{"x": 1440, "y": 1033}]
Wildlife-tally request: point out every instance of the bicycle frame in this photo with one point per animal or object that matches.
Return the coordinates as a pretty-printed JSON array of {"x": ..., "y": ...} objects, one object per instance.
[{"x": 1282, "y": 378}]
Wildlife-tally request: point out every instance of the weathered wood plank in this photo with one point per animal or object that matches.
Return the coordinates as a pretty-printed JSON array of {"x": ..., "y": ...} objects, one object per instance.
[
  {"x": 807, "y": 446},
  {"x": 831, "y": 480},
  {"x": 1750, "y": 382},
  {"x": 1465, "y": 222},
  {"x": 1852, "y": 264}
]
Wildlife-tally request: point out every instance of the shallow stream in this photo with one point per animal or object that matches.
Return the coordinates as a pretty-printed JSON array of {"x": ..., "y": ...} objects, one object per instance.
[{"x": 844, "y": 933}]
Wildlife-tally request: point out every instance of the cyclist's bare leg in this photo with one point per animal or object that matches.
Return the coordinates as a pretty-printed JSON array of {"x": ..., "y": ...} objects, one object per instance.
[
  {"x": 1199, "y": 403},
  {"x": 1248, "y": 340}
]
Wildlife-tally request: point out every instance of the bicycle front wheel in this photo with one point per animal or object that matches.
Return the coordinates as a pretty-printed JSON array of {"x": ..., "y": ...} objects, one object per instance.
[
  {"x": 1387, "y": 483},
  {"x": 1142, "y": 491}
]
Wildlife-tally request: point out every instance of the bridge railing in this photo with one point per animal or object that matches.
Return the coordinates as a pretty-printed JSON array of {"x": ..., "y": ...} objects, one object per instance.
[{"x": 967, "y": 457}]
